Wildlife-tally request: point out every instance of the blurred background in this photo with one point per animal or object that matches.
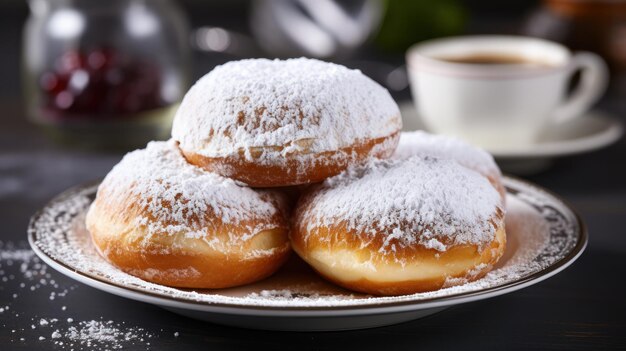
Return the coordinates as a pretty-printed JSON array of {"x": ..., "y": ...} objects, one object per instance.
[
  {"x": 108, "y": 76},
  {"x": 360, "y": 30},
  {"x": 102, "y": 78}
]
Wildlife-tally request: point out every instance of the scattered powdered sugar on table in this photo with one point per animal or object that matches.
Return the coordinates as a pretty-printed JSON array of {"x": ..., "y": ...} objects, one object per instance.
[
  {"x": 541, "y": 231},
  {"x": 288, "y": 104},
  {"x": 23, "y": 271},
  {"x": 91, "y": 334},
  {"x": 101, "y": 334},
  {"x": 19, "y": 263},
  {"x": 157, "y": 175},
  {"x": 416, "y": 201},
  {"x": 441, "y": 146}
]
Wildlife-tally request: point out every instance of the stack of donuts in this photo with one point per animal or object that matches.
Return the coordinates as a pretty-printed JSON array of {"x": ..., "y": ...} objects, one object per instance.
[{"x": 273, "y": 156}]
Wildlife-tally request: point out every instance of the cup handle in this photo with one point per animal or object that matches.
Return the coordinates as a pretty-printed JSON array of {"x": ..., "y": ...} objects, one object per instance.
[{"x": 593, "y": 83}]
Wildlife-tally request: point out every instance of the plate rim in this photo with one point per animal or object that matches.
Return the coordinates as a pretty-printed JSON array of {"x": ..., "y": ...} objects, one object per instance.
[{"x": 319, "y": 311}]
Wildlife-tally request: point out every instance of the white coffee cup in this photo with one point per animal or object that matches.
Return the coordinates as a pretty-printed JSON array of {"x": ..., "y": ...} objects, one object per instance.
[{"x": 500, "y": 105}]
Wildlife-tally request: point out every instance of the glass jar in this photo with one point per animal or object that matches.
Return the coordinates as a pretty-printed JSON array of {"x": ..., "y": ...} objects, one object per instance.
[{"x": 105, "y": 73}]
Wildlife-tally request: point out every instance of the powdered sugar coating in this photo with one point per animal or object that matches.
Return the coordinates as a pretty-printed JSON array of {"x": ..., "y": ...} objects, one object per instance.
[
  {"x": 426, "y": 144},
  {"x": 159, "y": 175},
  {"x": 297, "y": 105},
  {"x": 435, "y": 203},
  {"x": 541, "y": 229}
]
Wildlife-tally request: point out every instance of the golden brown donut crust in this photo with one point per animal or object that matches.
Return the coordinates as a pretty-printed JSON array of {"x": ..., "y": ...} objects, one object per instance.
[
  {"x": 158, "y": 218},
  {"x": 296, "y": 168},
  {"x": 335, "y": 251},
  {"x": 181, "y": 261}
]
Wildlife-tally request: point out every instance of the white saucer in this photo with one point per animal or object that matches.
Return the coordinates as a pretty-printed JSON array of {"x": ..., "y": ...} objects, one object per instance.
[
  {"x": 544, "y": 236},
  {"x": 593, "y": 131}
]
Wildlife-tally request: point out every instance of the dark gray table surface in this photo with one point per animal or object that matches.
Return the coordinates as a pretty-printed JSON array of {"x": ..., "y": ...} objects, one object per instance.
[{"x": 584, "y": 307}]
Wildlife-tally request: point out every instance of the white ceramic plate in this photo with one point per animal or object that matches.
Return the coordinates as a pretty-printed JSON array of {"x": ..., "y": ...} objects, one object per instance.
[
  {"x": 592, "y": 131},
  {"x": 544, "y": 236}
]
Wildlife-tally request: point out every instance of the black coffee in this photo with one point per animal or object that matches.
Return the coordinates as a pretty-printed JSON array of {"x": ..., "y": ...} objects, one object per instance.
[{"x": 495, "y": 59}]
